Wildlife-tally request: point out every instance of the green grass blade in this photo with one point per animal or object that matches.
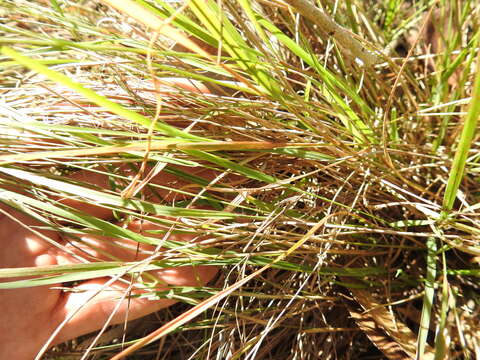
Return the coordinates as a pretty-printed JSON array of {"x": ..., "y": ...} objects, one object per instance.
[
  {"x": 427, "y": 298},
  {"x": 464, "y": 145},
  {"x": 440, "y": 340}
]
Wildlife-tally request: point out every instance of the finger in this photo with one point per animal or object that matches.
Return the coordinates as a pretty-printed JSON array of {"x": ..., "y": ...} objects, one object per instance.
[
  {"x": 95, "y": 303},
  {"x": 36, "y": 241},
  {"x": 23, "y": 240},
  {"x": 104, "y": 248}
]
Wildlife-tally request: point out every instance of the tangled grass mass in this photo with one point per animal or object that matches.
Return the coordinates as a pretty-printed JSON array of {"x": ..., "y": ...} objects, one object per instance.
[{"x": 323, "y": 155}]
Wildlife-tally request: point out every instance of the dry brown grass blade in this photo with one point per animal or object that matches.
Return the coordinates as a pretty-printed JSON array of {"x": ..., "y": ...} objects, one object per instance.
[
  {"x": 377, "y": 320},
  {"x": 377, "y": 336},
  {"x": 388, "y": 106},
  {"x": 136, "y": 185}
]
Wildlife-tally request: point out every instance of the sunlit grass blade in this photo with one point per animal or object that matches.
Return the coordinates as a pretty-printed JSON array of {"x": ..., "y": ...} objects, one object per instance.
[
  {"x": 351, "y": 120},
  {"x": 53, "y": 274},
  {"x": 93, "y": 271}
]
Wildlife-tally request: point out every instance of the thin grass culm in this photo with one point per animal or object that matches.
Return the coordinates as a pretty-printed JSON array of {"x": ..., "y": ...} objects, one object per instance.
[{"x": 239, "y": 179}]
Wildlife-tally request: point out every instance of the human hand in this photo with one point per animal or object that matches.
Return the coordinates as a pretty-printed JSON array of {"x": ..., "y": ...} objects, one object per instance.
[{"x": 31, "y": 315}]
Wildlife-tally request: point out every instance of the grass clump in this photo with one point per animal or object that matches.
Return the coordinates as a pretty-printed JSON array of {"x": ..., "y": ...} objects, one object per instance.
[{"x": 344, "y": 209}]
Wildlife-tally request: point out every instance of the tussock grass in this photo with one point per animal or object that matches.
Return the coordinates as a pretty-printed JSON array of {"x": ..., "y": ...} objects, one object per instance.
[{"x": 350, "y": 191}]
